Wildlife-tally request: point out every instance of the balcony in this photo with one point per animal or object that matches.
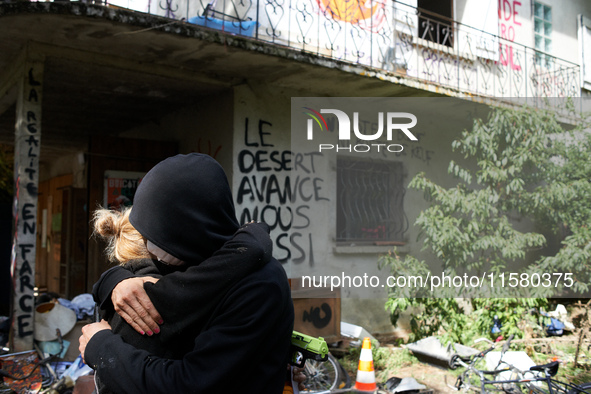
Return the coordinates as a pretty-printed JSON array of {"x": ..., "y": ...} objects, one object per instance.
[{"x": 389, "y": 38}]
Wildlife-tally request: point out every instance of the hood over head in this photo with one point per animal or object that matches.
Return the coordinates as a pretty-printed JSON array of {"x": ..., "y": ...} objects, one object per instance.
[{"x": 184, "y": 206}]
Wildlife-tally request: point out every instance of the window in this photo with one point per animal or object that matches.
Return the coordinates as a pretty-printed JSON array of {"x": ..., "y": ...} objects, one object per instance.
[
  {"x": 435, "y": 21},
  {"x": 585, "y": 50},
  {"x": 369, "y": 201},
  {"x": 543, "y": 34}
]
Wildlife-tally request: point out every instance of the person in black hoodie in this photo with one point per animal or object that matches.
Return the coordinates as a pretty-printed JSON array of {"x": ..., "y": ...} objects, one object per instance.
[
  {"x": 242, "y": 332},
  {"x": 248, "y": 250}
]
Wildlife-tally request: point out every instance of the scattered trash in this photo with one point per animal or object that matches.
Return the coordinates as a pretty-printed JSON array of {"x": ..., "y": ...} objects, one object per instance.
[
  {"x": 496, "y": 328},
  {"x": 57, "y": 348},
  {"x": 555, "y": 327},
  {"x": 432, "y": 351},
  {"x": 518, "y": 359},
  {"x": 77, "y": 369},
  {"x": 353, "y": 331},
  {"x": 82, "y": 304},
  {"x": 23, "y": 367},
  {"x": 404, "y": 385},
  {"x": 51, "y": 316}
]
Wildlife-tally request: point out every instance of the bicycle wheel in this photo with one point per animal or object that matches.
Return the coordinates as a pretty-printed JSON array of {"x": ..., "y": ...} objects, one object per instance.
[
  {"x": 581, "y": 388},
  {"x": 327, "y": 375},
  {"x": 468, "y": 382}
]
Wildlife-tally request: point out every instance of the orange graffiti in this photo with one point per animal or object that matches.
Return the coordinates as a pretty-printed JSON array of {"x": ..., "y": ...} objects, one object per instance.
[{"x": 354, "y": 11}]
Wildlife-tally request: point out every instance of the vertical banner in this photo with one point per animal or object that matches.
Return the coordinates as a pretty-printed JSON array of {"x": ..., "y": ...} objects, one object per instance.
[{"x": 26, "y": 173}]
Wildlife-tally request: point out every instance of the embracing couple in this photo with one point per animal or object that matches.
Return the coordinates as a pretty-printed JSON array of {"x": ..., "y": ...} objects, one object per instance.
[{"x": 197, "y": 303}]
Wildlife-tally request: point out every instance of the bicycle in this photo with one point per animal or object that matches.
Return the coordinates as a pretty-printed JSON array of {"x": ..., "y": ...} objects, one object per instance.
[
  {"x": 326, "y": 375},
  {"x": 537, "y": 379}
]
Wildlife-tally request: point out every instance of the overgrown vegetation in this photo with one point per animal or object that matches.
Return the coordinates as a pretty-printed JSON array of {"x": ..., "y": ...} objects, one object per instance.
[{"x": 525, "y": 210}]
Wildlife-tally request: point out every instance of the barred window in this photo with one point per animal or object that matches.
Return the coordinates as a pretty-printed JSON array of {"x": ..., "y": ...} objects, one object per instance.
[{"x": 369, "y": 202}]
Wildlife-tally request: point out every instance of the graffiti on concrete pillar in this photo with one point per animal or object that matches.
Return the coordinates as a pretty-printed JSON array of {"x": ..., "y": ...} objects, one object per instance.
[{"x": 26, "y": 168}]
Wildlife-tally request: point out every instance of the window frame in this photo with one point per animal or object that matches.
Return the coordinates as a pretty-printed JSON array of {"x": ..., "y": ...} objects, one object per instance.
[
  {"x": 393, "y": 218},
  {"x": 543, "y": 57}
]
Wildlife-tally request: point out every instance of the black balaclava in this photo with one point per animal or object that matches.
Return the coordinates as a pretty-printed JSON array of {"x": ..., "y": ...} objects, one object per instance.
[{"x": 184, "y": 206}]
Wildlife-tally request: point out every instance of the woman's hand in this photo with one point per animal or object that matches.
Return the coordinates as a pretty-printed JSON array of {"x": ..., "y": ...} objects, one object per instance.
[
  {"x": 133, "y": 304},
  {"x": 88, "y": 332}
]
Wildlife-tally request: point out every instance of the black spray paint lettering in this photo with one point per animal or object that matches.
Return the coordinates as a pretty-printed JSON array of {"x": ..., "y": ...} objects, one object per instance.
[
  {"x": 26, "y": 300},
  {"x": 265, "y": 188},
  {"x": 261, "y": 134},
  {"x": 28, "y": 217},
  {"x": 315, "y": 317},
  {"x": 268, "y": 190},
  {"x": 28, "y": 148}
]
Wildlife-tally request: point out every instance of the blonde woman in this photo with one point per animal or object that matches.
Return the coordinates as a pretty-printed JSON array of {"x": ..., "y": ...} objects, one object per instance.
[
  {"x": 236, "y": 326},
  {"x": 248, "y": 250}
]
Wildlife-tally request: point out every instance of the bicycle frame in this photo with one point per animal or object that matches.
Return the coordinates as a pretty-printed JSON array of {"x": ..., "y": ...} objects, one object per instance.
[{"x": 553, "y": 386}]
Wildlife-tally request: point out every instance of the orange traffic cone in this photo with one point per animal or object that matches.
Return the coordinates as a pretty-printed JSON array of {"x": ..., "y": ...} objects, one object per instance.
[{"x": 366, "y": 376}]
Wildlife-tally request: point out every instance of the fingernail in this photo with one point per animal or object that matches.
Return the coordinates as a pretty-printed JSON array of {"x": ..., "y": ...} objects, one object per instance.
[
  {"x": 156, "y": 331},
  {"x": 150, "y": 333},
  {"x": 141, "y": 332},
  {"x": 160, "y": 321}
]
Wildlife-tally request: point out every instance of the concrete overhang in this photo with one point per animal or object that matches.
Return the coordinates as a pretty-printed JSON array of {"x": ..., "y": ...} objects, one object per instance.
[{"x": 108, "y": 69}]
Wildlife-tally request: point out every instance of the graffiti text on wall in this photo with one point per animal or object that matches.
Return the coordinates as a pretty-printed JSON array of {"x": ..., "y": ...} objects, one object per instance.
[
  {"x": 508, "y": 24},
  {"x": 27, "y": 150},
  {"x": 270, "y": 193}
]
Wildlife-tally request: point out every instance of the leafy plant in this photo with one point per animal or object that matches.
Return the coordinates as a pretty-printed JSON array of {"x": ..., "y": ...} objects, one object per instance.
[{"x": 530, "y": 172}]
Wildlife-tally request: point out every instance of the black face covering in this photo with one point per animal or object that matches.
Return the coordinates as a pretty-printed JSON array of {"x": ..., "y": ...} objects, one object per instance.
[{"x": 184, "y": 206}]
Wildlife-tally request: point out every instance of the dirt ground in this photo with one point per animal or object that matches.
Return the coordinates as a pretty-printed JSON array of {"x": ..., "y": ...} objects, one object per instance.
[{"x": 434, "y": 377}]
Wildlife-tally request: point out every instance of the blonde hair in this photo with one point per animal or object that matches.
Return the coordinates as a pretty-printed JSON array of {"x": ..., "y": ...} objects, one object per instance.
[{"x": 124, "y": 242}]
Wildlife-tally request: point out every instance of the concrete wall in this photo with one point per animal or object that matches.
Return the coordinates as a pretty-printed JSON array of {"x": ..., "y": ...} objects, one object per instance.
[
  {"x": 204, "y": 126},
  {"x": 304, "y": 232}
]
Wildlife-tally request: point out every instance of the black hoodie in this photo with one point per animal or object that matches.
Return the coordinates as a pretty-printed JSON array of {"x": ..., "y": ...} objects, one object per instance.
[{"x": 241, "y": 323}]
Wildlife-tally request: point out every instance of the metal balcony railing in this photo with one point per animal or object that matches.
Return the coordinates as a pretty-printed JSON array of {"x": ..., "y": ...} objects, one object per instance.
[{"x": 388, "y": 37}]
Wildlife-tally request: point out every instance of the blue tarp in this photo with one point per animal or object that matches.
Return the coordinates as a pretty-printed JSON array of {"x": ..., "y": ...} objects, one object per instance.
[{"x": 244, "y": 28}]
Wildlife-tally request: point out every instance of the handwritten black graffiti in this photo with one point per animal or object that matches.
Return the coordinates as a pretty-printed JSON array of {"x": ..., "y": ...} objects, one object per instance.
[
  {"x": 315, "y": 315},
  {"x": 268, "y": 193},
  {"x": 25, "y": 283},
  {"x": 27, "y": 165},
  {"x": 262, "y": 134}
]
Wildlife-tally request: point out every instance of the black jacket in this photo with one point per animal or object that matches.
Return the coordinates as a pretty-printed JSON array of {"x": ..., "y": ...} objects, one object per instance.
[
  {"x": 185, "y": 309},
  {"x": 236, "y": 324},
  {"x": 243, "y": 346}
]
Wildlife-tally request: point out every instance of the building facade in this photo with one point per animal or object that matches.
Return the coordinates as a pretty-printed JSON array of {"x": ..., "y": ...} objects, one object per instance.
[{"x": 93, "y": 95}]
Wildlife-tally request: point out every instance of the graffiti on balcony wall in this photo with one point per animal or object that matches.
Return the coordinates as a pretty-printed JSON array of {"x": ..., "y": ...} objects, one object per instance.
[
  {"x": 27, "y": 150},
  {"x": 509, "y": 26},
  {"x": 367, "y": 14},
  {"x": 383, "y": 35},
  {"x": 268, "y": 192}
]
